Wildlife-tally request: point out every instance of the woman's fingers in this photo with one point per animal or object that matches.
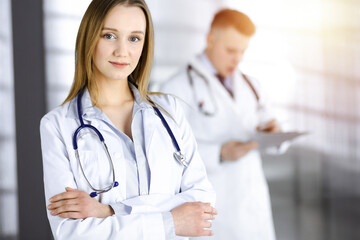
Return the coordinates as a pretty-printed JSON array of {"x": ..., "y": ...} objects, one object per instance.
[
  {"x": 74, "y": 215},
  {"x": 66, "y": 208},
  {"x": 193, "y": 219},
  {"x": 58, "y": 204},
  {"x": 206, "y": 224},
  {"x": 69, "y": 194},
  {"x": 206, "y": 232},
  {"x": 67, "y": 203},
  {"x": 63, "y": 196},
  {"x": 77, "y": 204},
  {"x": 209, "y": 216},
  {"x": 209, "y": 209}
]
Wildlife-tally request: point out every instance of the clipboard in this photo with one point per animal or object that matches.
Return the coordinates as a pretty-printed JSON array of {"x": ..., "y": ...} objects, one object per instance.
[{"x": 268, "y": 140}]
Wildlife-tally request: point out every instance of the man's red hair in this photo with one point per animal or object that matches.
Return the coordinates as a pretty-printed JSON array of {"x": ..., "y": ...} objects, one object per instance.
[{"x": 232, "y": 18}]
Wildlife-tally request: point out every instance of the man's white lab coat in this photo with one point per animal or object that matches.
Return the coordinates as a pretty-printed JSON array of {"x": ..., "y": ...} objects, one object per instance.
[{"x": 242, "y": 193}]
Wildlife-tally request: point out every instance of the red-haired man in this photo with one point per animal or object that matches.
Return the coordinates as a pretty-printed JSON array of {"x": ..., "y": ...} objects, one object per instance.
[{"x": 225, "y": 108}]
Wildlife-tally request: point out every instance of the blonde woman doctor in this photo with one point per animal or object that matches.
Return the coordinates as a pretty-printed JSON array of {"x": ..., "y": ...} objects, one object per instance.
[{"x": 119, "y": 162}]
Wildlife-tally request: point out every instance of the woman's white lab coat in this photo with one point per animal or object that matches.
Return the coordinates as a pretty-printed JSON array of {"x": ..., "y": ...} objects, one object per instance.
[
  {"x": 241, "y": 189},
  {"x": 140, "y": 217}
]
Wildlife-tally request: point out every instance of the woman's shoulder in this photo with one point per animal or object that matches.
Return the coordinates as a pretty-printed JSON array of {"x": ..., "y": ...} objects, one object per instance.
[
  {"x": 172, "y": 105},
  {"x": 168, "y": 102},
  {"x": 60, "y": 112},
  {"x": 164, "y": 98}
]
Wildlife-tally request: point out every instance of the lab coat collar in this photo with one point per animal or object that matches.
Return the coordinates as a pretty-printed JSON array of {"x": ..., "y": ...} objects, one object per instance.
[
  {"x": 210, "y": 67},
  {"x": 206, "y": 61},
  {"x": 203, "y": 68},
  {"x": 139, "y": 102},
  {"x": 89, "y": 111},
  {"x": 218, "y": 90}
]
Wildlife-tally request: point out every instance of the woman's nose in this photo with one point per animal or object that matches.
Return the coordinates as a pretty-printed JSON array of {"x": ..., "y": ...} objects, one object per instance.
[{"x": 120, "y": 50}]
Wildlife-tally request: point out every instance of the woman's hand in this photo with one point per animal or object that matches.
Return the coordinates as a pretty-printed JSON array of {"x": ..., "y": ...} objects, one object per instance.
[
  {"x": 78, "y": 205},
  {"x": 190, "y": 219}
]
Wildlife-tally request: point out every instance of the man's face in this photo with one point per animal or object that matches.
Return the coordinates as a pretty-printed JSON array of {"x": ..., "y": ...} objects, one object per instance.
[{"x": 225, "y": 49}]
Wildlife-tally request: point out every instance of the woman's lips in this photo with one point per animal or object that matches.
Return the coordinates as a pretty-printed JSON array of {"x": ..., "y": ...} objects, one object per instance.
[{"x": 119, "y": 65}]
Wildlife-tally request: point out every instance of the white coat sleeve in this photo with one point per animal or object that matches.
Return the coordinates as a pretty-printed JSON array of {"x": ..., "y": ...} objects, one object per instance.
[{"x": 58, "y": 175}]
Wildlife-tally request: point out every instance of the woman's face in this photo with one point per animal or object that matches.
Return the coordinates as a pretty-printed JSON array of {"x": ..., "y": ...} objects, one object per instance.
[{"x": 120, "y": 45}]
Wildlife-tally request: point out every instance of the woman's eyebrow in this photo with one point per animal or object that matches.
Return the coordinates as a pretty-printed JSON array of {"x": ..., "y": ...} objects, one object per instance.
[
  {"x": 115, "y": 30},
  {"x": 140, "y": 32},
  {"x": 112, "y": 29}
]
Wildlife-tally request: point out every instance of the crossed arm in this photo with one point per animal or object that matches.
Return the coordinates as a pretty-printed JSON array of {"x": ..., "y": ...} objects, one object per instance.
[{"x": 190, "y": 219}]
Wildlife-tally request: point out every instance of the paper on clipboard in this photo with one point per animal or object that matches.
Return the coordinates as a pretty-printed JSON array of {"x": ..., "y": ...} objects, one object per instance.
[{"x": 266, "y": 140}]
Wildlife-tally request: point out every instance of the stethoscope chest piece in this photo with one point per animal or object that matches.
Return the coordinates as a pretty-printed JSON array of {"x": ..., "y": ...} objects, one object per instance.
[{"x": 180, "y": 158}]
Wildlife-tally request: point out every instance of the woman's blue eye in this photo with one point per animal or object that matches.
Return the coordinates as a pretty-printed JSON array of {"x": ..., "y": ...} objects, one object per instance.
[
  {"x": 134, "y": 39},
  {"x": 108, "y": 36}
]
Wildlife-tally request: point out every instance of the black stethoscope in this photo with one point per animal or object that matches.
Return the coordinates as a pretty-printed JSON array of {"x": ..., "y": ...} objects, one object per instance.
[
  {"x": 178, "y": 155},
  {"x": 200, "y": 104}
]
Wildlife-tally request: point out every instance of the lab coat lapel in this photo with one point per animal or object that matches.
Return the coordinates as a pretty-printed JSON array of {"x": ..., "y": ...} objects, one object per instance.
[
  {"x": 90, "y": 113},
  {"x": 237, "y": 85},
  {"x": 149, "y": 126},
  {"x": 221, "y": 95},
  {"x": 159, "y": 152}
]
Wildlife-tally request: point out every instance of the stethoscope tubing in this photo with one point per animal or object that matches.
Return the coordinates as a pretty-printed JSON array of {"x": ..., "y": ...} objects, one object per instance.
[
  {"x": 209, "y": 114},
  {"x": 190, "y": 69},
  {"x": 178, "y": 155},
  {"x": 101, "y": 138}
]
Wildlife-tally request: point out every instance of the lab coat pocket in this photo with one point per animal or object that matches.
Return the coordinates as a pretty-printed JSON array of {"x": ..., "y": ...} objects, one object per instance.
[{"x": 165, "y": 171}]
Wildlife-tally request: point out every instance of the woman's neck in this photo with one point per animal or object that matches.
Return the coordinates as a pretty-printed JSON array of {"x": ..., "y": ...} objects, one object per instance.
[{"x": 113, "y": 93}]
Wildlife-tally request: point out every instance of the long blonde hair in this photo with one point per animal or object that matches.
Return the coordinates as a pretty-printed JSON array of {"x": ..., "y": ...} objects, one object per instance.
[{"x": 86, "y": 41}]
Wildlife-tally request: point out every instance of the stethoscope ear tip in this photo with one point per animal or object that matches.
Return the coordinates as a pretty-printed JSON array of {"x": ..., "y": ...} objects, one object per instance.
[
  {"x": 93, "y": 194},
  {"x": 116, "y": 184}
]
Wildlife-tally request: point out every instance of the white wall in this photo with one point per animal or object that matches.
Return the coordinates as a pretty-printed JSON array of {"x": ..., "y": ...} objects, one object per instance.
[
  {"x": 8, "y": 180},
  {"x": 180, "y": 30},
  {"x": 61, "y": 22}
]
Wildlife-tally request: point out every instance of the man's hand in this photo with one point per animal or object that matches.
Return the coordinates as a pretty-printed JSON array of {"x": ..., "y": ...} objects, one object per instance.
[
  {"x": 271, "y": 126},
  {"x": 78, "y": 205},
  {"x": 233, "y": 150},
  {"x": 190, "y": 219}
]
